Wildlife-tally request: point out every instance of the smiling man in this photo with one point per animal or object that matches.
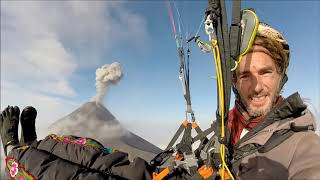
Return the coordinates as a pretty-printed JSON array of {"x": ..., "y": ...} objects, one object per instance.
[{"x": 272, "y": 137}]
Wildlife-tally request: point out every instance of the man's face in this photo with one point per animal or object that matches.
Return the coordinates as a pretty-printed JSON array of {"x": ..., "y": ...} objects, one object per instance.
[{"x": 257, "y": 83}]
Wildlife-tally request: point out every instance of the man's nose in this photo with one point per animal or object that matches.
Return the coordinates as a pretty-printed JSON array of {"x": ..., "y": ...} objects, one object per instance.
[{"x": 258, "y": 84}]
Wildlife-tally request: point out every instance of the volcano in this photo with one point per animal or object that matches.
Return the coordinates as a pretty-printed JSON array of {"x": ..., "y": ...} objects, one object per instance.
[{"x": 94, "y": 120}]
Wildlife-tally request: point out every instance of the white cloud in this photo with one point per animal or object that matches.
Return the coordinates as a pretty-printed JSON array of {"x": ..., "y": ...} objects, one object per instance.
[
  {"x": 44, "y": 65},
  {"x": 45, "y": 42},
  {"x": 32, "y": 54},
  {"x": 89, "y": 28}
]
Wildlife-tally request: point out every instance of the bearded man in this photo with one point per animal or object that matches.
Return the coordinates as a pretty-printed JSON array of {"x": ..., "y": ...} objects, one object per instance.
[{"x": 272, "y": 137}]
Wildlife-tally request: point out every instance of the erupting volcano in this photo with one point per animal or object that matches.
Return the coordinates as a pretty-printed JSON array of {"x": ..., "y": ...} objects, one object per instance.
[{"x": 94, "y": 120}]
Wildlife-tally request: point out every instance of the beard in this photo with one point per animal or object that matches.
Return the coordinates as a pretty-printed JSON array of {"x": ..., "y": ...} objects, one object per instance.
[
  {"x": 262, "y": 111},
  {"x": 258, "y": 112}
]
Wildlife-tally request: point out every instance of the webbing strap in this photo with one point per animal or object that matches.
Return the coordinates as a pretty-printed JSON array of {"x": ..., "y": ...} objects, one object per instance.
[
  {"x": 226, "y": 60},
  {"x": 187, "y": 138},
  {"x": 203, "y": 134},
  {"x": 175, "y": 137},
  {"x": 277, "y": 138}
]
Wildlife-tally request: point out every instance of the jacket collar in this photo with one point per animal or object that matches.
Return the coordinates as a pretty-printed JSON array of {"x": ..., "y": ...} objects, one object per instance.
[{"x": 289, "y": 110}]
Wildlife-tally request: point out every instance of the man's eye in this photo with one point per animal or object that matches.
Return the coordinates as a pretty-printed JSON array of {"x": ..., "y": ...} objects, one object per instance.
[
  {"x": 267, "y": 72},
  {"x": 244, "y": 76}
]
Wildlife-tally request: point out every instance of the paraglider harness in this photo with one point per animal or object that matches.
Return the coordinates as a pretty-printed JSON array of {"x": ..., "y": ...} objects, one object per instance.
[{"x": 212, "y": 157}]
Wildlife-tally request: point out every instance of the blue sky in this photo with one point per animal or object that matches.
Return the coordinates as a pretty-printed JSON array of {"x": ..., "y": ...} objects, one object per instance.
[{"x": 50, "y": 51}]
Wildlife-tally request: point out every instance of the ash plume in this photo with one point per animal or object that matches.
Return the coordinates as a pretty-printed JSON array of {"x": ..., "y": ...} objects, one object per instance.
[{"x": 108, "y": 74}]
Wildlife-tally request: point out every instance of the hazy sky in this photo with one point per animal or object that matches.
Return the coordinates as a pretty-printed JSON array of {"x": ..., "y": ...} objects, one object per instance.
[{"x": 50, "y": 51}]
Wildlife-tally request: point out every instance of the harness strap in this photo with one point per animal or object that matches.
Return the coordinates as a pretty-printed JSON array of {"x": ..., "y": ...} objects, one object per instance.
[
  {"x": 186, "y": 140},
  {"x": 203, "y": 134},
  {"x": 176, "y": 136},
  {"x": 277, "y": 138}
]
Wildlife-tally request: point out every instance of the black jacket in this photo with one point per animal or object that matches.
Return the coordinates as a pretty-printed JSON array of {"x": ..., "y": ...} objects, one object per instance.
[{"x": 71, "y": 157}]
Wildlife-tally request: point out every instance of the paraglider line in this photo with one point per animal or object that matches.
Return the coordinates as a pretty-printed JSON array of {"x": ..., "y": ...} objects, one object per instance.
[
  {"x": 171, "y": 16},
  {"x": 200, "y": 26}
]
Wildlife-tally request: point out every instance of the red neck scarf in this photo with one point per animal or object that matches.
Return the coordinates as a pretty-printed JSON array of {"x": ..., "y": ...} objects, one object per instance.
[{"x": 238, "y": 119}]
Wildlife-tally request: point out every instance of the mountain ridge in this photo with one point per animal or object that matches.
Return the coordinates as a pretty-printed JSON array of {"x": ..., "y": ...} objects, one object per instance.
[{"x": 95, "y": 121}]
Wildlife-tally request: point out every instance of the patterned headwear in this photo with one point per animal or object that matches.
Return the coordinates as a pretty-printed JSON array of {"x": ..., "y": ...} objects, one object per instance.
[{"x": 279, "y": 47}]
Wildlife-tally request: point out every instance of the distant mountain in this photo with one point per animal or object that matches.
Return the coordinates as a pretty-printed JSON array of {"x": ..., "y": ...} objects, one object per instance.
[{"x": 95, "y": 121}]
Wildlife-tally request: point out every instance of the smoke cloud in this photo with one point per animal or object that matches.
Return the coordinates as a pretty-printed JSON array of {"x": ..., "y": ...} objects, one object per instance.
[{"x": 107, "y": 75}]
